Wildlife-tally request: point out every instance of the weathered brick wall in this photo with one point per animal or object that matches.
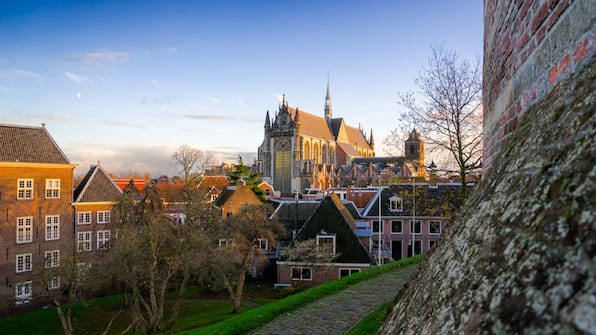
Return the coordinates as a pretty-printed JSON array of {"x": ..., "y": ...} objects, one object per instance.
[
  {"x": 521, "y": 257},
  {"x": 529, "y": 46}
]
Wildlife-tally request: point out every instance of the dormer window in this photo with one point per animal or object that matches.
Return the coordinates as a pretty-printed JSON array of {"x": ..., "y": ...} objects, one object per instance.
[
  {"x": 396, "y": 204},
  {"x": 326, "y": 242}
]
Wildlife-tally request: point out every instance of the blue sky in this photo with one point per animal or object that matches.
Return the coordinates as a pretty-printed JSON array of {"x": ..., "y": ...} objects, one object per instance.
[{"x": 127, "y": 82}]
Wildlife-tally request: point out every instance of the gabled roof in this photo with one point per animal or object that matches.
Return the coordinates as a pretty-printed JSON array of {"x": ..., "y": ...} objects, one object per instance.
[
  {"x": 29, "y": 145},
  {"x": 294, "y": 214},
  {"x": 440, "y": 201},
  {"x": 224, "y": 196},
  {"x": 334, "y": 218},
  {"x": 96, "y": 186},
  {"x": 217, "y": 182}
]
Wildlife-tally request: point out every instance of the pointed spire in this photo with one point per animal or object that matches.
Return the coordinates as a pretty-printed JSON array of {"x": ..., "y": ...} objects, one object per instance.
[
  {"x": 283, "y": 100},
  {"x": 371, "y": 141},
  {"x": 328, "y": 109},
  {"x": 267, "y": 120}
]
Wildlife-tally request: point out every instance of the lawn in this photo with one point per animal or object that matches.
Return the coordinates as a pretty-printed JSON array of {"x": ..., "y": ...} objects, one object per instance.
[
  {"x": 252, "y": 319},
  {"x": 201, "y": 312},
  {"x": 92, "y": 317}
]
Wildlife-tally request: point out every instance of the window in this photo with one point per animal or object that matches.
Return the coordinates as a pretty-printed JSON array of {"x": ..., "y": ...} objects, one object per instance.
[
  {"x": 103, "y": 217},
  {"x": 376, "y": 227},
  {"x": 326, "y": 243},
  {"x": 23, "y": 292},
  {"x": 395, "y": 204},
  {"x": 347, "y": 272},
  {"x": 52, "y": 258},
  {"x": 52, "y": 188},
  {"x": 84, "y": 241},
  {"x": 103, "y": 239},
  {"x": 431, "y": 243},
  {"x": 24, "y": 229},
  {"x": 396, "y": 227},
  {"x": 84, "y": 218},
  {"x": 23, "y": 263},
  {"x": 24, "y": 189},
  {"x": 54, "y": 283},
  {"x": 434, "y": 227},
  {"x": 417, "y": 248},
  {"x": 222, "y": 242},
  {"x": 213, "y": 197},
  {"x": 300, "y": 273},
  {"x": 52, "y": 227},
  {"x": 415, "y": 227},
  {"x": 263, "y": 243}
]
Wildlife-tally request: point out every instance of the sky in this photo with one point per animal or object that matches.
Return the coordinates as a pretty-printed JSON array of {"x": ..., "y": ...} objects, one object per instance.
[{"x": 125, "y": 83}]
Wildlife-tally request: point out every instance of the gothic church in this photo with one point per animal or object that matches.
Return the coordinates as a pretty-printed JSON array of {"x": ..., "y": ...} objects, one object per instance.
[{"x": 302, "y": 150}]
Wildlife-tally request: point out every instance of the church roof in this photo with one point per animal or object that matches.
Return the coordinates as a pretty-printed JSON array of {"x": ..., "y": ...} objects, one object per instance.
[
  {"x": 312, "y": 125},
  {"x": 348, "y": 149}
]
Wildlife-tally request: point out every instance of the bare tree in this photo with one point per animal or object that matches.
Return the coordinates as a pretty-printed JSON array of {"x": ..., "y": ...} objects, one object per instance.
[
  {"x": 191, "y": 164},
  {"x": 449, "y": 113},
  {"x": 239, "y": 251},
  {"x": 149, "y": 255},
  {"x": 307, "y": 253}
]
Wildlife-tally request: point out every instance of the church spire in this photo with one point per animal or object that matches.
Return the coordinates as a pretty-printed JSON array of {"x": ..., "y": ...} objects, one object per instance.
[
  {"x": 328, "y": 109},
  {"x": 267, "y": 120}
]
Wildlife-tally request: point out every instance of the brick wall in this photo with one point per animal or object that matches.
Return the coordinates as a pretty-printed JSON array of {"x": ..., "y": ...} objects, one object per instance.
[
  {"x": 529, "y": 47},
  {"x": 38, "y": 208}
]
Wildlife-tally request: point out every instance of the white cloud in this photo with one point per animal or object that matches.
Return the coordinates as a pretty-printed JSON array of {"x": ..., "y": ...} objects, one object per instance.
[
  {"x": 156, "y": 84},
  {"x": 27, "y": 74},
  {"x": 19, "y": 73},
  {"x": 215, "y": 100},
  {"x": 77, "y": 78},
  {"x": 99, "y": 57}
]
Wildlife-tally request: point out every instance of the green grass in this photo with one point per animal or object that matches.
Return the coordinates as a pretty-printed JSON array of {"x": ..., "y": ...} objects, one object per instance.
[
  {"x": 371, "y": 323},
  {"x": 257, "y": 317},
  {"x": 93, "y": 316}
]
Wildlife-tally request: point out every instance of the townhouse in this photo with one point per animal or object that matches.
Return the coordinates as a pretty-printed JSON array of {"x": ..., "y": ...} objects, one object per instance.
[{"x": 36, "y": 221}]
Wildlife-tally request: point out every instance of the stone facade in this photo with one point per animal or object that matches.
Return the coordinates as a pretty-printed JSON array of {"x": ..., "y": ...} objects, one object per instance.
[
  {"x": 302, "y": 150},
  {"x": 520, "y": 259}
]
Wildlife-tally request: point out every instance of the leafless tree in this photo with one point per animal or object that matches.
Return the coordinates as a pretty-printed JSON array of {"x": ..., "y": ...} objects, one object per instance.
[
  {"x": 449, "y": 113},
  {"x": 240, "y": 252},
  {"x": 307, "y": 253},
  {"x": 149, "y": 255},
  {"x": 192, "y": 164}
]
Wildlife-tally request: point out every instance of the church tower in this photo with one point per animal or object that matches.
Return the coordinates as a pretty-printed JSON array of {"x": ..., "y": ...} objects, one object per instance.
[{"x": 415, "y": 148}]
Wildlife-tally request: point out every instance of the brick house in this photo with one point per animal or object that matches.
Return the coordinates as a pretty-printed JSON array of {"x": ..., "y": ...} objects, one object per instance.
[
  {"x": 94, "y": 198},
  {"x": 36, "y": 182},
  {"x": 403, "y": 219},
  {"x": 336, "y": 227},
  {"x": 233, "y": 198}
]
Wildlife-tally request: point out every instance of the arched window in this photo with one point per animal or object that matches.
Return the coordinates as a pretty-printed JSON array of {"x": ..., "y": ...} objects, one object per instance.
[
  {"x": 325, "y": 155},
  {"x": 316, "y": 153},
  {"x": 306, "y": 150}
]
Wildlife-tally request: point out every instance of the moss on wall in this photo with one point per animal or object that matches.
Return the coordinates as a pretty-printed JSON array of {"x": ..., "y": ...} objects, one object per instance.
[{"x": 521, "y": 258}]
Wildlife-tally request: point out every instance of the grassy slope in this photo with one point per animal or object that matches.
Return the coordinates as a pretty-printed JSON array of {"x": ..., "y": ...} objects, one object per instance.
[{"x": 257, "y": 317}]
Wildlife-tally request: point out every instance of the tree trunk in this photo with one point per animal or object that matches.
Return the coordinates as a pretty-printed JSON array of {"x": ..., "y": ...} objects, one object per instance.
[
  {"x": 66, "y": 325},
  {"x": 179, "y": 298}
]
